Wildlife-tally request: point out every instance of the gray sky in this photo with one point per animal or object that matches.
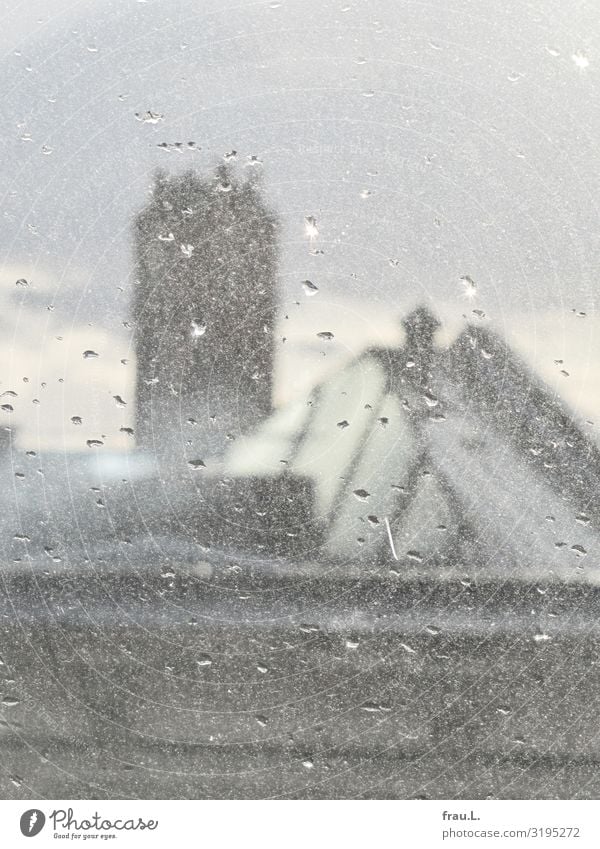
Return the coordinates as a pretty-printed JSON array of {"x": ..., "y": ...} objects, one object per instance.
[{"x": 429, "y": 140}]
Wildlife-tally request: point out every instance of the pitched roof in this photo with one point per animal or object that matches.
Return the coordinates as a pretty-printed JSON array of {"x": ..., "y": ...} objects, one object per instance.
[{"x": 457, "y": 458}]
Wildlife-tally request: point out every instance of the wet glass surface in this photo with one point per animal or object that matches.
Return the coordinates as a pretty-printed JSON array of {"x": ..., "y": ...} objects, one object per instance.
[{"x": 300, "y": 397}]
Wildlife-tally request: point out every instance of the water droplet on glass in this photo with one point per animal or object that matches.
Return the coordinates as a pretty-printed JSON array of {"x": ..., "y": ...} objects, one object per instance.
[
  {"x": 469, "y": 287},
  {"x": 149, "y": 117},
  {"x": 89, "y": 355},
  {"x": 310, "y": 227},
  {"x": 541, "y": 637},
  {"x": 198, "y": 328},
  {"x": 76, "y": 420},
  {"x": 196, "y": 464},
  {"x": 580, "y": 59},
  {"x": 361, "y": 494},
  {"x": 119, "y": 401},
  {"x": 309, "y": 288},
  {"x": 325, "y": 334}
]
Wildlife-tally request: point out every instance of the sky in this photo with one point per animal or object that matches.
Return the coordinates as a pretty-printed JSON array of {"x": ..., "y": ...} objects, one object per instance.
[{"x": 431, "y": 141}]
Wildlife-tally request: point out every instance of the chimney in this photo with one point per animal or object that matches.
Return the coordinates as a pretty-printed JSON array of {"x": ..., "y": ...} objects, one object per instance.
[{"x": 420, "y": 326}]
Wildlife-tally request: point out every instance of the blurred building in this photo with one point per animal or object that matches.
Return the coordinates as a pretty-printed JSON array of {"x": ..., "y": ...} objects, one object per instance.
[
  {"x": 204, "y": 312},
  {"x": 458, "y": 458}
]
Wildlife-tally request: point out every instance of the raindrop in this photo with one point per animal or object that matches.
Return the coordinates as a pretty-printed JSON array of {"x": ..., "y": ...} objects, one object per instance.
[
  {"x": 553, "y": 51},
  {"x": 7, "y": 408},
  {"x": 579, "y": 550},
  {"x": 149, "y": 117},
  {"x": 119, "y": 401},
  {"x": 198, "y": 328},
  {"x": 204, "y": 660},
  {"x": 361, "y": 494},
  {"x": 352, "y": 644},
  {"x": 22, "y": 282},
  {"x": 541, "y": 637},
  {"x": 187, "y": 250},
  {"x": 310, "y": 226},
  {"x": 309, "y": 288},
  {"x": 469, "y": 287},
  {"x": 325, "y": 334},
  {"x": 371, "y": 707},
  {"x": 343, "y": 424},
  {"x": 580, "y": 59},
  {"x": 10, "y": 701},
  {"x": 88, "y": 355},
  {"x": 196, "y": 464},
  {"x": 94, "y": 443},
  {"x": 262, "y": 668},
  {"x": 415, "y": 555},
  {"x": 76, "y": 420}
]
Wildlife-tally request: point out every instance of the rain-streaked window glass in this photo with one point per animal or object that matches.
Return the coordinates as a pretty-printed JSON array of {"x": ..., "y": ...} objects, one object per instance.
[{"x": 300, "y": 399}]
